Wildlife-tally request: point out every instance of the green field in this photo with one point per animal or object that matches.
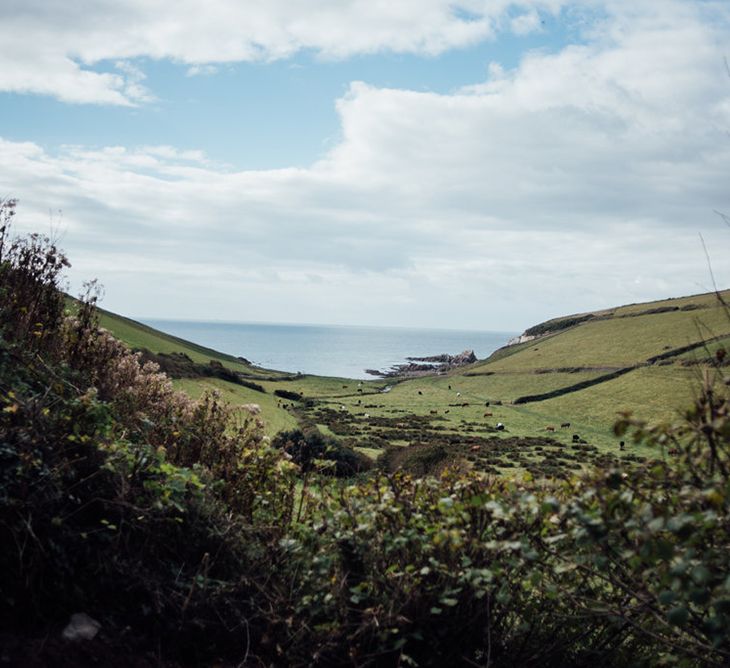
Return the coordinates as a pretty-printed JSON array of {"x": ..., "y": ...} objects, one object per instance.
[{"x": 457, "y": 413}]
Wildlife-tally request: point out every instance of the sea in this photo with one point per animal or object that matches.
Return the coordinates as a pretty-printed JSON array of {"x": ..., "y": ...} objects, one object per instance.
[{"x": 330, "y": 350}]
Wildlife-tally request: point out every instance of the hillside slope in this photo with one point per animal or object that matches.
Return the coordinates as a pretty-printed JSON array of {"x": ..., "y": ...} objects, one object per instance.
[{"x": 645, "y": 358}]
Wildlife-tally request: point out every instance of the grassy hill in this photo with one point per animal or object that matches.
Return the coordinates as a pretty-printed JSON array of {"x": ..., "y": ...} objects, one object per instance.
[{"x": 583, "y": 370}]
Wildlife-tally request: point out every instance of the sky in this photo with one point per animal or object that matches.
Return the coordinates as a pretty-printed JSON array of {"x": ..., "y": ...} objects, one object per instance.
[{"x": 464, "y": 164}]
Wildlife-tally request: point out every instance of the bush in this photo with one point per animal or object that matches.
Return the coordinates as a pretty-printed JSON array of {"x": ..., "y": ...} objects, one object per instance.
[{"x": 311, "y": 450}]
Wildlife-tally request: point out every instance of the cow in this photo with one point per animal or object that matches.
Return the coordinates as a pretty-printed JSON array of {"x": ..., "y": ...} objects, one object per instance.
[
  {"x": 487, "y": 415},
  {"x": 565, "y": 425},
  {"x": 433, "y": 412},
  {"x": 500, "y": 426},
  {"x": 419, "y": 392},
  {"x": 549, "y": 428}
]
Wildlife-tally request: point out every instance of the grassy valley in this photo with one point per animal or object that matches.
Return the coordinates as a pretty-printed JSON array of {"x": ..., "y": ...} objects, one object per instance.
[{"x": 575, "y": 378}]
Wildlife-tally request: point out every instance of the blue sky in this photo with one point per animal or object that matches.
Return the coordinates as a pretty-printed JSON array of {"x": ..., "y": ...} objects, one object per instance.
[
  {"x": 261, "y": 115},
  {"x": 475, "y": 164}
]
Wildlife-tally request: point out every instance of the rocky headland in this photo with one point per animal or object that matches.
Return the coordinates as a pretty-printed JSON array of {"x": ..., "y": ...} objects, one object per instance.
[{"x": 426, "y": 366}]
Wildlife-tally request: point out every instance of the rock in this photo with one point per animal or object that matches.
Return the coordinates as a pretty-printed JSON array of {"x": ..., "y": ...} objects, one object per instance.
[
  {"x": 81, "y": 627},
  {"x": 435, "y": 364},
  {"x": 467, "y": 357}
]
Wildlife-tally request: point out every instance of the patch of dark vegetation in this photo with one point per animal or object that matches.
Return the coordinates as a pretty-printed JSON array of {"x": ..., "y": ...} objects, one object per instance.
[
  {"x": 477, "y": 373},
  {"x": 674, "y": 352},
  {"x": 311, "y": 450},
  {"x": 418, "y": 458},
  {"x": 572, "y": 369},
  {"x": 652, "y": 311},
  {"x": 179, "y": 365},
  {"x": 573, "y": 388},
  {"x": 288, "y": 394},
  {"x": 553, "y": 326}
]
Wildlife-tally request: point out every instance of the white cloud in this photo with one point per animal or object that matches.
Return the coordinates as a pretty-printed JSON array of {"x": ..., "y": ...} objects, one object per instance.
[
  {"x": 525, "y": 23},
  {"x": 578, "y": 180},
  {"x": 201, "y": 71},
  {"x": 52, "y": 48}
]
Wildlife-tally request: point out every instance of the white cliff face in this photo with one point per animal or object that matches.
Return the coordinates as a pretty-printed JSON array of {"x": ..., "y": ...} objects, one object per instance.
[{"x": 522, "y": 338}]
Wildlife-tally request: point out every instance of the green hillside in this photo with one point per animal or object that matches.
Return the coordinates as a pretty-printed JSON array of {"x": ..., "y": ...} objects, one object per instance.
[{"x": 584, "y": 370}]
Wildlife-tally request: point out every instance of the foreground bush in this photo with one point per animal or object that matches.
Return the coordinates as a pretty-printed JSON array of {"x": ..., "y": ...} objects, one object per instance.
[{"x": 177, "y": 519}]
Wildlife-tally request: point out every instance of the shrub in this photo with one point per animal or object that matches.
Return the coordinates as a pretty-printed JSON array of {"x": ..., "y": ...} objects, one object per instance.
[{"x": 311, "y": 450}]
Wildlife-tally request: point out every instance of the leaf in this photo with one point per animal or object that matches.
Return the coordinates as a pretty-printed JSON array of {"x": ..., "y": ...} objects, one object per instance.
[
  {"x": 700, "y": 574},
  {"x": 678, "y": 616},
  {"x": 667, "y": 597}
]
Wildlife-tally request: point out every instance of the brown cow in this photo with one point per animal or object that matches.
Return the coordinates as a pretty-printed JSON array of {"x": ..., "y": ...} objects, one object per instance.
[
  {"x": 487, "y": 415},
  {"x": 549, "y": 428}
]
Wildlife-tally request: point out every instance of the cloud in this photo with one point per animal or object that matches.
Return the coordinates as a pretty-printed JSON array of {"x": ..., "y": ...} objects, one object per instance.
[
  {"x": 59, "y": 49},
  {"x": 201, "y": 70},
  {"x": 525, "y": 23},
  {"x": 577, "y": 180}
]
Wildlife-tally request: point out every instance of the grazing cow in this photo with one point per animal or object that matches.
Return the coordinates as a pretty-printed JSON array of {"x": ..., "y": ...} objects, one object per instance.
[
  {"x": 358, "y": 402},
  {"x": 500, "y": 426},
  {"x": 359, "y": 389},
  {"x": 446, "y": 411},
  {"x": 344, "y": 387},
  {"x": 576, "y": 438},
  {"x": 486, "y": 404},
  {"x": 487, "y": 415},
  {"x": 419, "y": 392},
  {"x": 565, "y": 425},
  {"x": 549, "y": 428},
  {"x": 475, "y": 448},
  {"x": 621, "y": 445},
  {"x": 433, "y": 412},
  {"x": 449, "y": 386}
]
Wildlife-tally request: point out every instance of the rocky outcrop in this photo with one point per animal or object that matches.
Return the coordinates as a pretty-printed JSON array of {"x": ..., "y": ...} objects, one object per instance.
[{"x": 426, "y": 366}]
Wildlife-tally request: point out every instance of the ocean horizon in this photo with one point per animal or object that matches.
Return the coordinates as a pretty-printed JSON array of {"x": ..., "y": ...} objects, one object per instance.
[{"x": 344, "y": 351}]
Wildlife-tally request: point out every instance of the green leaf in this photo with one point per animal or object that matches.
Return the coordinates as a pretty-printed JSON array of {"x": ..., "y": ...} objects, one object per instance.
[
  {"x": 678, "y": 615},
  {"x": 667, "y": 597},
  {"x": 700, "y": 574}
]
